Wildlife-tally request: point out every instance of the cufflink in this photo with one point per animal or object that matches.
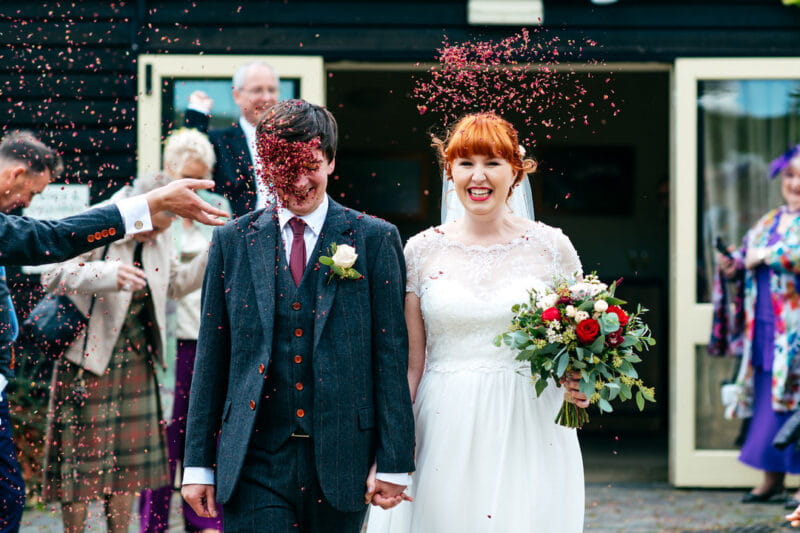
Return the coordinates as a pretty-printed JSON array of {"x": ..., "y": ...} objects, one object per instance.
[{"x": 138, "y": 224}]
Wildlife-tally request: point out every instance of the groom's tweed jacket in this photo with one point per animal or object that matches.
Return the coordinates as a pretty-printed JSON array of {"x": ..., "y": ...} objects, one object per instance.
[{"x": 361, "y": 404}]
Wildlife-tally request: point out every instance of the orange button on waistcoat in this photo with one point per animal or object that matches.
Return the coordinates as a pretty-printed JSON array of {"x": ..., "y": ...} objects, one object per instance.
[
  {"x": 252, "y": 404},
  {"x": 298, "y": 386},
  {"x": 298, "y": 332},
  {"x": 296, "y": 306},
  {"x": 261, "y": 368},
  {"x": 298, "y": 359},
  {"x": 300, "y": 413}
]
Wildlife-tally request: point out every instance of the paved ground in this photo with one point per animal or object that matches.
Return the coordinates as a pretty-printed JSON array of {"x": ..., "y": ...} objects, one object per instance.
[
  {"x": 626, "y": 507},
  {"x": 626, "y": 491}
]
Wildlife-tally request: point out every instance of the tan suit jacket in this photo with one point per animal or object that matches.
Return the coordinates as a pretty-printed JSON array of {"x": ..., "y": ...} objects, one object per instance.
[{"x": 89, "y": 274}]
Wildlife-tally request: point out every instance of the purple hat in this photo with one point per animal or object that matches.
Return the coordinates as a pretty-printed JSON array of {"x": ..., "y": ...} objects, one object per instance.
[{"x": 781, "y": 162}]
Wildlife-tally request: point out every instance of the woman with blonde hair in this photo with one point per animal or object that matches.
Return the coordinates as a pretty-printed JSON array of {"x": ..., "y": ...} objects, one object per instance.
[
  {"x": 192, "y": 153},
  {"x": 490, "y": 457},
  {"x": 105, "y": 438}
]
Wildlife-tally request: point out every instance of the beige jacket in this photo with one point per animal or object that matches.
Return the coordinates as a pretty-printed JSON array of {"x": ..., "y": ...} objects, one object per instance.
[{"x": 89, "y": 274}]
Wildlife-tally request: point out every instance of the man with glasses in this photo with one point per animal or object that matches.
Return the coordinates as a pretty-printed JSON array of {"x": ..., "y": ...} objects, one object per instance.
[{"x": 255, "y": 90}]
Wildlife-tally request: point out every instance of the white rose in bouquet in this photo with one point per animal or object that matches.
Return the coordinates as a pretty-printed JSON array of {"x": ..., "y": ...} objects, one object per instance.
[{"x": 601, "y": 306}]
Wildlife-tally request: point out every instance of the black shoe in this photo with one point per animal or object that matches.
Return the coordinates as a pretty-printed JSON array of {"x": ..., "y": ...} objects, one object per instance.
[
  {"x": 791, "y": 504},
  {"x": 750, "y": 497}
]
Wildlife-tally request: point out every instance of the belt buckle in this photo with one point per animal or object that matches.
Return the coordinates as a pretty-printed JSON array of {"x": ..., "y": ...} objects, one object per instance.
[{"x": 300, "y": 436}]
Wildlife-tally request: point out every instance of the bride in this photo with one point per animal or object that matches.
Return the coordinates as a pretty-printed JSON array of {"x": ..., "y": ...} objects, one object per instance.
[{"x": 490, "y": 457}]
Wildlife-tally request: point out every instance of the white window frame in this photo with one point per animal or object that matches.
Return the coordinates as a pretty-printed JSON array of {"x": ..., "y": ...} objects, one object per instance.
[
  {"x": 153, "y": 68},
  {"x": 690, "y": 321}
]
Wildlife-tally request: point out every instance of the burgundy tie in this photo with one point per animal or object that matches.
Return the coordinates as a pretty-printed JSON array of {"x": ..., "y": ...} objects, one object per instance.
[{"x": 297, "y": 257}]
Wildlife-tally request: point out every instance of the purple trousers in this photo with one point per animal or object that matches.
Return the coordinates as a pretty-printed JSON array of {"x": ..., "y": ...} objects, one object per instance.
[{"x": 154, "y": 503}]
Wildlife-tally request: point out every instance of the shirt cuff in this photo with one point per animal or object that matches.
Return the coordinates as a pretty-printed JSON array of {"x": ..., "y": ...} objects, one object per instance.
[
  {"x": 400, "y": 478},
  {"x": 199, "y": 109},
  {"x": 135, "y": 214},
  {"x": 198, "y": 475},
  {"x": 3, "y": 383}
]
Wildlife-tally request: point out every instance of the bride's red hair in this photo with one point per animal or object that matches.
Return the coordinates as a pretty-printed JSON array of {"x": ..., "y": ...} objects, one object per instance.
[{"x": 484, "y": 134}]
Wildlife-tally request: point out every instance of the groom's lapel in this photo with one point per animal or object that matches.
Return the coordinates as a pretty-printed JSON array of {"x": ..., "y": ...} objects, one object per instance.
[
  {"x": 336, "y": 224},
  {"x": 263, "y": 245}
]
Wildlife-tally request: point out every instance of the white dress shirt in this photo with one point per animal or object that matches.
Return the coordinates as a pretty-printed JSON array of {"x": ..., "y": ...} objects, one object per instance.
[
  {"x": 263, "y": 196},
  {"x": 314, "y": 222}
]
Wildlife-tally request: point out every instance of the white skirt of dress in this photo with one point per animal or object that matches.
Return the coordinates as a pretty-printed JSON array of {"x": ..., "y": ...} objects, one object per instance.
[{"x": 489, "y": 459}]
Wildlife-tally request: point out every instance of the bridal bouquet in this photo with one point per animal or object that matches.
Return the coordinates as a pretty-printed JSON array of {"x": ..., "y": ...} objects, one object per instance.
[{"x": 582, "y": 328}]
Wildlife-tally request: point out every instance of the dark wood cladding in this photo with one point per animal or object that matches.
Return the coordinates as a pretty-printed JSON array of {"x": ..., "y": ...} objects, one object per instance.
[{"x": 68, "y": 69}]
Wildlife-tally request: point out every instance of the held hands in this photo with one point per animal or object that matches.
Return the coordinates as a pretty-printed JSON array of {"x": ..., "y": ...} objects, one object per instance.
[
  {"x": 178, "y": 197},
  {"x": 201, "y": 499},
  {"x": 572, "y": 394},
  {"x": 201, "y": 101},
  {"x": 382, "y": 493},
  {"x": 130, "y": 278}
]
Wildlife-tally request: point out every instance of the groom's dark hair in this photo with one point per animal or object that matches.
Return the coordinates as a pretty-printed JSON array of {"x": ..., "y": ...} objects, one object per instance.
[{"x": 298, "y": 120}]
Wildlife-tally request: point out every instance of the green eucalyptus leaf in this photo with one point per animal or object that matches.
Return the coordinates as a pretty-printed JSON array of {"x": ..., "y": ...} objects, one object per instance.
[
  {"x": 563, "y": 360},
  {"x": 598, "y": 344},
  {"x": 640, "y": 400},
  {"x": 609, "y": 323},
  {"x": 604, "y": 406},
  {"x": 627, "y": 369},
  {"x": 613, "y": 390},
  {"x": 541, "y": 384}
]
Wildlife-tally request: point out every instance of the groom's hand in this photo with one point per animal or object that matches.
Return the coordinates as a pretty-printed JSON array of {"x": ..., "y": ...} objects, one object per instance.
[{"x": 201, "y": 499}]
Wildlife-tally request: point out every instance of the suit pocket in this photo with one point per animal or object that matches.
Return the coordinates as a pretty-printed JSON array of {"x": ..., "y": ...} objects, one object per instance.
[{"x": 366, "y": 418}]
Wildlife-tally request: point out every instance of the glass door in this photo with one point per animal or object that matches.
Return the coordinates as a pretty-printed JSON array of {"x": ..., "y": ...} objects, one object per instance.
[
  {"x": 166, "y": 80},
  {"x": 730, "y": 119}
]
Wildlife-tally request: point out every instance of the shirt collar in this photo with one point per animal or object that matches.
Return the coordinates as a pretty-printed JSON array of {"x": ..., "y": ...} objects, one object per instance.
[
  {"x": 249, "y": 131},
  {"x": 314, "y": 220}
]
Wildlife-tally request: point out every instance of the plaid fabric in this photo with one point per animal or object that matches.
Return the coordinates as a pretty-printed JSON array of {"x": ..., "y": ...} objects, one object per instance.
[{"x": 114, "y": 442}]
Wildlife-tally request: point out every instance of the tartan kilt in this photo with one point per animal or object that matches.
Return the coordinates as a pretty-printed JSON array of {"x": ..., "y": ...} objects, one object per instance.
[{"x": 114, "y": 443}]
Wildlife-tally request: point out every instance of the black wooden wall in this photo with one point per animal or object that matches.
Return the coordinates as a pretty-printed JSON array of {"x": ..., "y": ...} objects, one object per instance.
[{"x": 68, "y": 68}]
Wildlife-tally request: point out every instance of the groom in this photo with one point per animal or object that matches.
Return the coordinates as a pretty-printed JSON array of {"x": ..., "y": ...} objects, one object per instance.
[{"x": 300, "y": 378}]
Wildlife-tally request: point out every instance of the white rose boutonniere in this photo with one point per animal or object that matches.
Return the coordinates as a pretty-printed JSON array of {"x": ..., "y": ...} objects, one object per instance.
[{"x": 341, "y": 261}]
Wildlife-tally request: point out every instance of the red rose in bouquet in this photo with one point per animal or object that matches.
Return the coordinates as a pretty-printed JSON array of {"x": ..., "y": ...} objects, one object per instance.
[
  {"x": 622, "y": 315},
  {"x": 550, "y": 314},
  {"x": 587, "y": 330}
]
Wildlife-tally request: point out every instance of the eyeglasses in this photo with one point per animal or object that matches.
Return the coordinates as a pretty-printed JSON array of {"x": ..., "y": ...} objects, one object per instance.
[{"x": 260, "y": 91}]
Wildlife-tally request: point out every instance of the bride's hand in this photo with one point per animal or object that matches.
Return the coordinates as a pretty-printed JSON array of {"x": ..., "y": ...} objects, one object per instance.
[{"x": 572, "y": 394}]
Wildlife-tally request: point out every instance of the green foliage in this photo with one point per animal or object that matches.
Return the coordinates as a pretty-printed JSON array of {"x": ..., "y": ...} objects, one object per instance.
[{"x": 605, "y": 362}]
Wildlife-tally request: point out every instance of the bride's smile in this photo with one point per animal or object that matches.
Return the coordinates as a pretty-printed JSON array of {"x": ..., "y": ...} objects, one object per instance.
[{"x": 482, "y": 182}]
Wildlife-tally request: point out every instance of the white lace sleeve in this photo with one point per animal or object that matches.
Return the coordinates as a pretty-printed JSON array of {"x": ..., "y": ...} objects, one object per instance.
[
  {"x": 570, "y": 262},
  {"x": 412, "y": 271}
]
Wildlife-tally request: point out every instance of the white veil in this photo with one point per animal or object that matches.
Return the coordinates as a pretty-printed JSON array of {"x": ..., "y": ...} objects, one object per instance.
[{"x": 520, "y": 203}]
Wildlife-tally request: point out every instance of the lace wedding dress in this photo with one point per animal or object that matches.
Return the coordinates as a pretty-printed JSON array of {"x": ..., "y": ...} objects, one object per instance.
[{"x": 489, "y": 456}]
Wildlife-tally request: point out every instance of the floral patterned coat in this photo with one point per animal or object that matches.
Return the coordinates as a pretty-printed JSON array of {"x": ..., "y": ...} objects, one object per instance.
[{"x": 783, "y": 260}]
